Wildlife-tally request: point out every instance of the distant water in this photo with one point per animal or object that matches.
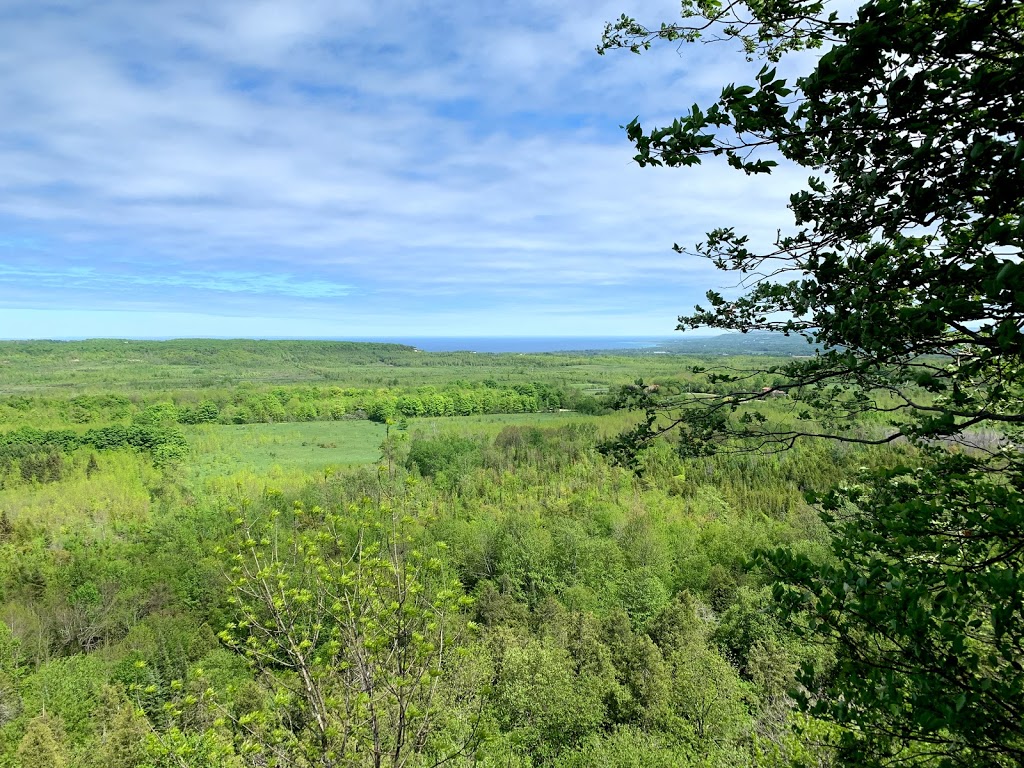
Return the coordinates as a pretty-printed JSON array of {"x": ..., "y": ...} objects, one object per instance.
[{"x": 521, "y": 344}]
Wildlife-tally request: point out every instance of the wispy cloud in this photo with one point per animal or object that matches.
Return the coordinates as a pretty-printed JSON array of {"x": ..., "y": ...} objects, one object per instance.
[
  {"x": 91, "y": 278},
  {"x": 364, "y": 164}
]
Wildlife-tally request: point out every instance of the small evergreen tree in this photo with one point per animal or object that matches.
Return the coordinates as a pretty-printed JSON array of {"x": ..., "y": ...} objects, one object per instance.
[{"x": 42, "y": 745}]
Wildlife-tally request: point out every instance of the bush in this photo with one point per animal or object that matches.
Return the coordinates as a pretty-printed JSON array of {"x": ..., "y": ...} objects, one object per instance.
[{"x": 449, "y": 453}]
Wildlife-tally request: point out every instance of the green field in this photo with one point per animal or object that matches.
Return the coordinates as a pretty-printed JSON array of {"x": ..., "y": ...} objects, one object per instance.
[
  {"x": 270, "y": 448},
  {"x": 275, "y": 449}
]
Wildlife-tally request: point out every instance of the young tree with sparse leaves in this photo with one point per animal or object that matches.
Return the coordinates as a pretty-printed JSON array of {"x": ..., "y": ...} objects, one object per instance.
[{"x": 353, "y": 627}]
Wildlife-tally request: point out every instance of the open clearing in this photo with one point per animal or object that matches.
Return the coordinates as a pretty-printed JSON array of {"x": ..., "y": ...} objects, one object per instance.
[{"x": 224, "y": 450}]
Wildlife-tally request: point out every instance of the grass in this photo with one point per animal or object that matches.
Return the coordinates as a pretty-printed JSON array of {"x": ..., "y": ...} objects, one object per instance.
[
  {"x": 288, "y": 449},
  {"x": 222, "y": 450}
]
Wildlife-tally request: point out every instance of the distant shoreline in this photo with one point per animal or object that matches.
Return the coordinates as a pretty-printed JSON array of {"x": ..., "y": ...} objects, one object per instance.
[
  {"x": 481, "y": 344},
  {"x": 717, "y": 344},
  {"x": 520, "y": 344}
]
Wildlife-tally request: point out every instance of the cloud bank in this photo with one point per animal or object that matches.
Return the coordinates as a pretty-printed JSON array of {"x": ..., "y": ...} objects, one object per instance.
[{"x": 350, "y": 168}]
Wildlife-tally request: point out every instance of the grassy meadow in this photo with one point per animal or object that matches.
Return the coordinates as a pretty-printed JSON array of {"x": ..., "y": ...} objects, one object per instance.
[{"x": 222, "y": 450}]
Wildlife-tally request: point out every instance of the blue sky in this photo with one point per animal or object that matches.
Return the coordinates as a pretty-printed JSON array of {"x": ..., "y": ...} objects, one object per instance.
[{"x": 350, "y": 169}]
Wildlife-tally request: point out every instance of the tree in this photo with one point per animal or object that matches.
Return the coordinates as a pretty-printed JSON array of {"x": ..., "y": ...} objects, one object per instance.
[
  {"x": 905, "y": 259},
  {"x": 42, "y": 745},
  {"x": 10, "y": 661},
  {"x": 923, "y": 603},
  {"x": 355, "y": 626},
  {"x": 125, "y": 734},
  {"x": 904, "y": 267}
]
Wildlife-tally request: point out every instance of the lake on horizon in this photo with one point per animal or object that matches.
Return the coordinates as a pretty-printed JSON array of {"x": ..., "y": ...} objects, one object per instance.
[{"x": 521, "y": 344}]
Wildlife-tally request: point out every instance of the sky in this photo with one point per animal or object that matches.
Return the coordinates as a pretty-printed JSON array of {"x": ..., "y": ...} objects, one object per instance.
[{"x": 340, "y": 168}]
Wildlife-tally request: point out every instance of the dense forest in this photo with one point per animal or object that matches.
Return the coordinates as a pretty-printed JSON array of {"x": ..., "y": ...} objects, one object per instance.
[{"x": 488, "y": 589}]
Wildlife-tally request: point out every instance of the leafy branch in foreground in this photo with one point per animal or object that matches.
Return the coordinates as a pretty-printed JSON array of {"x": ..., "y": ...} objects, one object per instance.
[
  {"x": 904, "y": 267},
  {"x": 357, "y": 626},
  {"x": 905, "y": 257},
  {"x": 924, "y": 604}
]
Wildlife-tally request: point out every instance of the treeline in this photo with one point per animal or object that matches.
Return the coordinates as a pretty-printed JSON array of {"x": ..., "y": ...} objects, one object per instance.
[
  {"x": 263, "y": 354},
  {"x": 145, "y": 364},
  {"x": 193, "y": 352},
  {"x": 248, "y": 404},
  {"x": 38, "y": 454}
]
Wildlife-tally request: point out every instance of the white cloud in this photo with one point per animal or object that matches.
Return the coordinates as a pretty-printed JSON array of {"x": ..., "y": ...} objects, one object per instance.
[{"x": 387, "y": 148}]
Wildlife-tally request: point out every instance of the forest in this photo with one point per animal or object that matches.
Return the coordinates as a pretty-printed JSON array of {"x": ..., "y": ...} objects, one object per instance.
[
  {"x": 478, "y": 586},
  {"x": 486, "y": 588}
]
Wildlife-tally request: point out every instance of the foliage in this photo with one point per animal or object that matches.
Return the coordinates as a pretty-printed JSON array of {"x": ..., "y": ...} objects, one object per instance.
[
  {"x": 925, "y": 90},
  {"x": 904, "y": 265},
  {"x": 925, "y": 604},
  {"x": 450, "y": 453},
  {"x": 705, "y": 701},
  {"x": 28, "y": 442},
  {"x": 542, "y": 699},
  {"x": 10, "y": 657},
  {"x": 41, "y": 746},
  {"x": 113, "y": 579},
  {"x": 358, "y": 634},
  {"x": 629, "y": 748}
]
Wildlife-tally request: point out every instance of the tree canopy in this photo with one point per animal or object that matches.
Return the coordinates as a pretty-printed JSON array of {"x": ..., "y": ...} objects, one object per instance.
[{"x": 903, "y": 265}]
